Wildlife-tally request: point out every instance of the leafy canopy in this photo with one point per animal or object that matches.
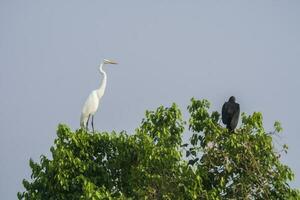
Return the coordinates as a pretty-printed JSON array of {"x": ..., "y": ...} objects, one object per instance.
[{"x": 154, "y": 163}]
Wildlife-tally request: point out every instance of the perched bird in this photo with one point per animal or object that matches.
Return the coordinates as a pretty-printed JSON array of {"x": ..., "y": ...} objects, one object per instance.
[
  {"x": 230, "y": 113},
  {"x": 91, "y": 104}
]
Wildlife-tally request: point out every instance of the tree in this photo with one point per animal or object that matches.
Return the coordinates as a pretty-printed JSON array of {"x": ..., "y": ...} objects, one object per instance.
[{"x": 154, "y": 163}]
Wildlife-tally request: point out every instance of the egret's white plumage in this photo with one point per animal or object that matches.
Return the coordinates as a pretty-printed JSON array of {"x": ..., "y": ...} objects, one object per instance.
[{"x": 92, "y": 103}]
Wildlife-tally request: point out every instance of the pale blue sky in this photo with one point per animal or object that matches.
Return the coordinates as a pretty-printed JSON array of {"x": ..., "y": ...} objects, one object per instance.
[{"x": 169, "y": 51}]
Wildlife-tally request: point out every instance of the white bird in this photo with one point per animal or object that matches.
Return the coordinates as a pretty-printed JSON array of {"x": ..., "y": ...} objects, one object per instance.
[{"x": 91, "y": 104}]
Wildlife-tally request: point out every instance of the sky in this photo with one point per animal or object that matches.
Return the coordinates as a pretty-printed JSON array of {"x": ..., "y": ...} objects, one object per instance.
[{"x": 168, "y": 51}]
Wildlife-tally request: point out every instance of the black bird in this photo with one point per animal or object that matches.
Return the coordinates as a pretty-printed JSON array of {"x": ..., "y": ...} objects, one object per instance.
[{"x": 231, "y": 113}]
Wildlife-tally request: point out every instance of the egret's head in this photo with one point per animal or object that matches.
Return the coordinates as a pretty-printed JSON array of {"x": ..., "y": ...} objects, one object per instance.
[
  {"x": 106, "y": 61},
  {"x": 232, "y": 99}
]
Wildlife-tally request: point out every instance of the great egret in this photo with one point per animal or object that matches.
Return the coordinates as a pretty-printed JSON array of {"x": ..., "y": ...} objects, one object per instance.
[
  {"x": 231, "y": 113},
  {"x": 91, "y": 104}
]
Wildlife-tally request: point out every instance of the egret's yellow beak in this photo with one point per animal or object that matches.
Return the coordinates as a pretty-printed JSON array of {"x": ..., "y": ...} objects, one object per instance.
[
  {"x": 112, "y": 62},
  {"x": 109, "y": 61}
]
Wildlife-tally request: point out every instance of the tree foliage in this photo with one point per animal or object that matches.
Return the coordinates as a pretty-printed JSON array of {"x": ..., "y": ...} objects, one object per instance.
[{"x": 154, "y": 163}]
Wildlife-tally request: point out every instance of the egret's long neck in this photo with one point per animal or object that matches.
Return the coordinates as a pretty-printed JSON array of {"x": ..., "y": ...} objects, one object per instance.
[{"x": 102, "y": 87}]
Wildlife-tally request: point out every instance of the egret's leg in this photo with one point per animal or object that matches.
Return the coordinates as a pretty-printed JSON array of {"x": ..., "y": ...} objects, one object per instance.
[
  {"x": 93, "y": 123},
  {"x": 87, "y": 123}
]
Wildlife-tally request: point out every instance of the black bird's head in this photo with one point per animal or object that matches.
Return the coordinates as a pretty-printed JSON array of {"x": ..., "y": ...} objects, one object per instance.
[{"x": 232, "y": 99}]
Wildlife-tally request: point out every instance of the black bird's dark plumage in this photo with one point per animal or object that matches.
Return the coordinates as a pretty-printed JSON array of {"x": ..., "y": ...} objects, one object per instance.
[{"x": 230, "y": 113}]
